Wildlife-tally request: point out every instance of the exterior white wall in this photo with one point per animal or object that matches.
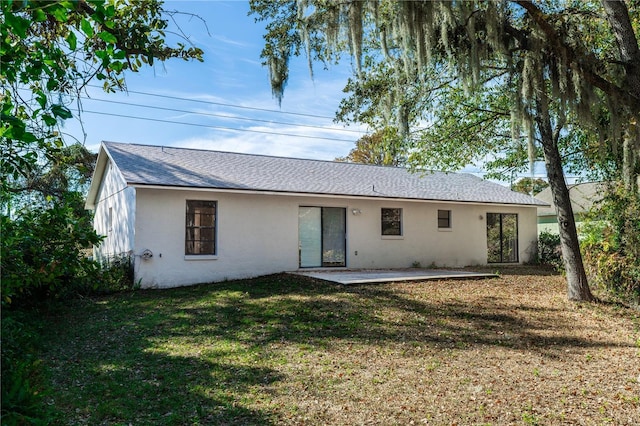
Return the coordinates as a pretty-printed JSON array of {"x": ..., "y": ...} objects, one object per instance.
[
  {"x": 114, "y": 215},
  {"x": 464, "y": 244},
  {"x": 549, "y": 227},
  {"x": 257, "y": 234}
]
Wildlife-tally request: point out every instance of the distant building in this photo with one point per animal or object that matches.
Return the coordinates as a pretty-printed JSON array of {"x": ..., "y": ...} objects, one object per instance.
[{"x": 583, "y": 197}]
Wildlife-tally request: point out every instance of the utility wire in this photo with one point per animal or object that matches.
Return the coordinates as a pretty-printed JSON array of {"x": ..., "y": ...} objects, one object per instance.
[
  {"x": 480, "y": 172},
  {"x": 221, "y": 115},
  {"x": 221, "y": 104},
  {"x": 213, "y": 127}
]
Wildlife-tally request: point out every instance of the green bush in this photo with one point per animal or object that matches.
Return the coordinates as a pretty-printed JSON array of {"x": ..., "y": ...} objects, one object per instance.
[
  {"x": 43, "y": 259},
  {"x": 611, "y": 245},
  {"x": 116, "y": 274},
  {"x": 42, "y": 253},
  {"x": 549, "y": 250}
]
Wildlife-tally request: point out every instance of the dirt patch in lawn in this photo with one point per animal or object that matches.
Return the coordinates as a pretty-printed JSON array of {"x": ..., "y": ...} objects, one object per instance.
[{"x": 292, "y": 350}]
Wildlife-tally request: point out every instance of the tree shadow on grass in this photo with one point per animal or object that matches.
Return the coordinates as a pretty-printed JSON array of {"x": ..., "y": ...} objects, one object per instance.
[
  {"x": 350, "y": 312},
  {"x": 205, "y": 354},
  {"x": 156, "y": 389},
  {"x": 282, "y": 308},
  {"x": 467, "y": 325},
  {"x": 124, "y": 366}
]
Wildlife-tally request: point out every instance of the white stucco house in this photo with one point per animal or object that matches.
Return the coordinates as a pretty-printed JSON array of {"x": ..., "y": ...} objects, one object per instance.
[{"x": 191, "y": 216}]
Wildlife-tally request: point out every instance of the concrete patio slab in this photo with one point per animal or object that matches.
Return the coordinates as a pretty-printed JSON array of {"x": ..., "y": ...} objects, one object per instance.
[{"x": 363, "y": 276}]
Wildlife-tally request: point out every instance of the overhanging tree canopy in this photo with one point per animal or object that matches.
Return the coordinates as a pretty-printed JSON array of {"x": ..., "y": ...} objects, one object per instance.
[
  {"x": 52, "y": 49},
  {"x": 553, "y": 60}
]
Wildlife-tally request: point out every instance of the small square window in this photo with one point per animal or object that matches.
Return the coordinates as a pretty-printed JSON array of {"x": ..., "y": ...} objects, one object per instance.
[
  {"x": 444, "y": 218},
  {"x": 391, "y": 221}
]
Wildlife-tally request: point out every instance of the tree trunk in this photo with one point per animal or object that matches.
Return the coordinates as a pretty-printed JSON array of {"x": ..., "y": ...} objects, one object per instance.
[
  {"x": 618, "y": 16},
  {"x": 629, "y": 159},
  {"x": 577, "y": 285}
]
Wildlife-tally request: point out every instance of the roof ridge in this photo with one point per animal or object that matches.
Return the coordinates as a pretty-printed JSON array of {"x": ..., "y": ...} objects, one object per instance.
[{"x": 288, "y": 158}]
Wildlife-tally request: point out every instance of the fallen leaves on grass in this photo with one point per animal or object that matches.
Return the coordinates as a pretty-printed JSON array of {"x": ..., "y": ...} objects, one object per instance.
[{"x": 290, "y": 350}]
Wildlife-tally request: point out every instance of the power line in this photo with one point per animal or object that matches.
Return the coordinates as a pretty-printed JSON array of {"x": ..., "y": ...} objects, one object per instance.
[
  {"x": 221, "y": 116},
  {"x": 213, "y": 127},
  {"x": 221, "y": 104}
]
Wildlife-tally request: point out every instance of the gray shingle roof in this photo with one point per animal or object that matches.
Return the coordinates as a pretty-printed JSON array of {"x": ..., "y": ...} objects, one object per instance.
[
  {"x": 180, "y": 167},
  {"x": 583, "y": 196}
]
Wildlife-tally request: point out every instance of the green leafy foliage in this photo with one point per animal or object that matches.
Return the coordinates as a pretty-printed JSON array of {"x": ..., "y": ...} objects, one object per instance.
[
  {"x": 45, "y": 256},
  {"x": 51, "y": 49},
  {"x": 380, "y": 148},
  {"x": 549, "y": 252},
  {"x": 611, "y": 244},
  {"x": 23, "y": 376},
  {"x": 529, "y": 185},
  {"x": 116, "y": 274},
  {"x": 47, "y": 231},
  {"x": 43, "y": 252}
]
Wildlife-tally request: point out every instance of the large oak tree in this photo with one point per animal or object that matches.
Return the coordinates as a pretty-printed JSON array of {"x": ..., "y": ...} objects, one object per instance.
[{"x": 560, "y": 63}]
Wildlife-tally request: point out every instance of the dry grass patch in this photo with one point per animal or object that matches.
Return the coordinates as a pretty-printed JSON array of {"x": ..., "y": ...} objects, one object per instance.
[{"x": 291, "y": 350}]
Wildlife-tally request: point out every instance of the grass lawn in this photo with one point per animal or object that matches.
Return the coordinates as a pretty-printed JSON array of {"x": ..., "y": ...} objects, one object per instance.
[{"x": 291, "y": 350}]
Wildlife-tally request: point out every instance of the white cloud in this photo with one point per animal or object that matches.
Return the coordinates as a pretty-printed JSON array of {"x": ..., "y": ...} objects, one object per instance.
[
  {"x": 273, "y": 144},
  {"x": 228, "y": 41}
]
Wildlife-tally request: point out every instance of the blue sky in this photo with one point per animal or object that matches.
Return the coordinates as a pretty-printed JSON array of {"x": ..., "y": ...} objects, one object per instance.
[
  {"x": 231, "y": 82},
  {"x": 229, "y": 90}
]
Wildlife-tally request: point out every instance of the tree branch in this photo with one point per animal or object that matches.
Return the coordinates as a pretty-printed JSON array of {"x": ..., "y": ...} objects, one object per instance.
[
  {"x": 618, "y": 17},
  {"x": 561, "y": 49}
]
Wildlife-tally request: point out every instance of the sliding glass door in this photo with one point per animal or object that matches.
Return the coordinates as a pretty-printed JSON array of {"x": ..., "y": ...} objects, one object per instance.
[
  {"x": 321, "y": 236},
  {"x": 333, "y": 236},
  {"x": 310, "y": 236},
  {"x": 502, "y": 237}
]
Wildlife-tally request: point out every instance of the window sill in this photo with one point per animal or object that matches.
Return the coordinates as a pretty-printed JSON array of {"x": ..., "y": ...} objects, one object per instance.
[
  {"x": 200, "y": 257},
  {"x": 392, "y": 237},
  {"x": 445, "y": 229}
]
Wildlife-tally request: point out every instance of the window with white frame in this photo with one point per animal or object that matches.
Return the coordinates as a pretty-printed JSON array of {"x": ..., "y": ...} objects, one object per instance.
[
  {"x": 391, "y": 220},
  {"x": 444, "y": 219},
  {"x": 200, "y": 237}
]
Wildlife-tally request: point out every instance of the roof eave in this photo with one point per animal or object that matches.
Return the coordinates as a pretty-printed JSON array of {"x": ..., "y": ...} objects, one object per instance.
[
  {"x": 104, "y": 157},
  {"x": 323, "y": 194},
  {"x": 96, "y": 179}
]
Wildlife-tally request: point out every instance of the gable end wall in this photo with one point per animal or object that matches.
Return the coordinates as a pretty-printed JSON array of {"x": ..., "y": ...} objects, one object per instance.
[{"x": 114, "y": 215}]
